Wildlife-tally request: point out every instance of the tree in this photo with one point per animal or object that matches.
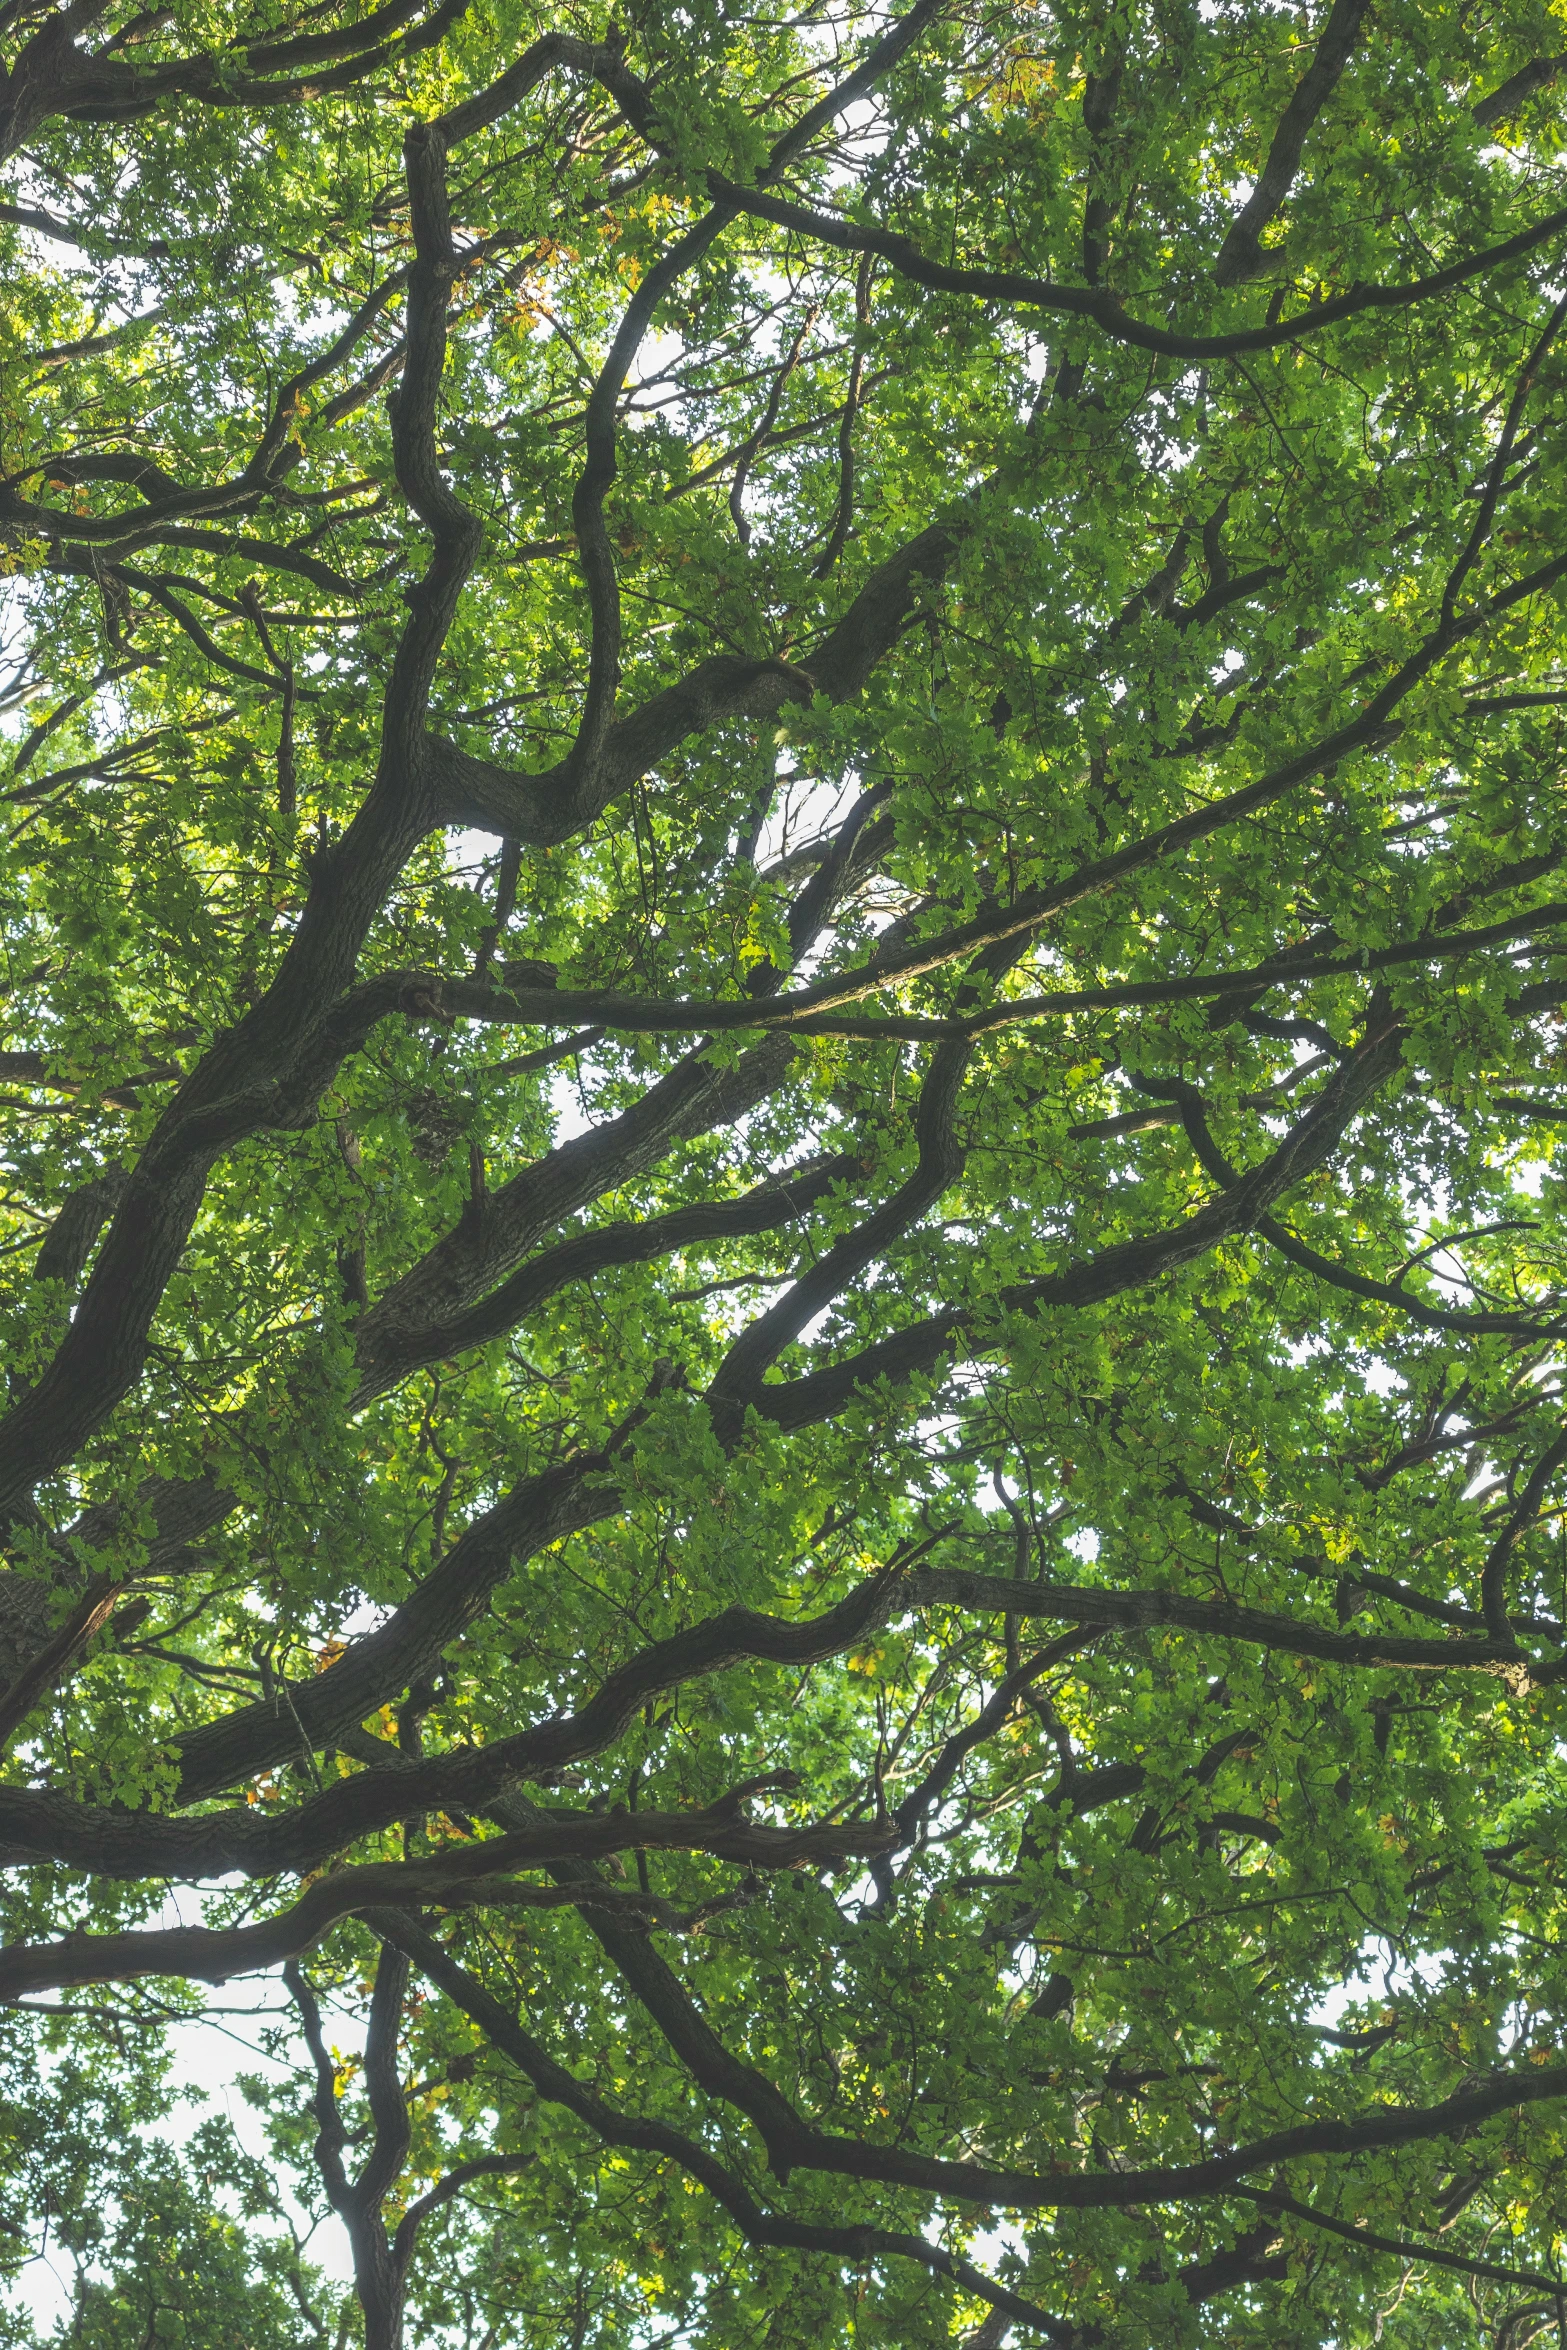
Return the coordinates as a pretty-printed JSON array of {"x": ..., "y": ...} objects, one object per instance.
[{"x": 785, "y": 1253}]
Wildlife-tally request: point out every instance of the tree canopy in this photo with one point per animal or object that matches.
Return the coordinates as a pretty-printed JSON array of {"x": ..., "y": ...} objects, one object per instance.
[{"x": 784, "y": 1232}]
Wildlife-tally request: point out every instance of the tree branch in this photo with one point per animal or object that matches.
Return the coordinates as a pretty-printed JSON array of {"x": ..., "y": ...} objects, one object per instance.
[{"x": 1241, "y": 255}]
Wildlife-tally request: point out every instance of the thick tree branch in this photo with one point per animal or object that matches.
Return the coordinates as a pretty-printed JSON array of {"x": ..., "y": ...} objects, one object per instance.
[
  {"x": 35, "y": 1825},
  {"x": 792, "y": 2143},
  {"x": 776, "y": 1202},
  {"x": 1368, "y": 2239},
  {"x": 380, "y": 2278},
  {"x": 758, "y": 2226},
  {"x": 538, "y": 808},
  {"x": 430, "y": 996},
  {"x": 923, "y": 1347},
  {"x": 472, "y": 1873},
  {"x": 1241, "y": 255},
  {"x": 1102, "y": 308}
]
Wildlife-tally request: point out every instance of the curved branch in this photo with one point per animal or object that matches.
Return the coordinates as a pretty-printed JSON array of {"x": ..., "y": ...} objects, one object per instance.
[
  {"x": 1272, "y": 2200},
  {"x": 1219, "y": 1619},
  {"x": 464, "y": 2174},
  {"x": 39, "y": 1826},
  {"x": 51, "y": 76},
  {"x": 243, "y": 1079},
  {"x": 559, "y": 2087},
  {"x": 737, "y": 1381},
  {"x": 1392, "y": 1293},
  {"x": 1103, "y": 309},
  {"x": 458, "y": 1272},
  {"x": 538, "y": 808},
  {"x": 1493, "y": 1580},
  {"x": 776, "y": 1202},
  {"x": 923, "y": 1347},
  {"x": 793, "y": 2143},
  {"x": 469, "y": 1875}
]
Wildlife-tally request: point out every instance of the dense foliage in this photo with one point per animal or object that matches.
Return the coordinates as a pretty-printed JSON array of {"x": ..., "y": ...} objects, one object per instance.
[{"x": 784, "y": 1235}]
